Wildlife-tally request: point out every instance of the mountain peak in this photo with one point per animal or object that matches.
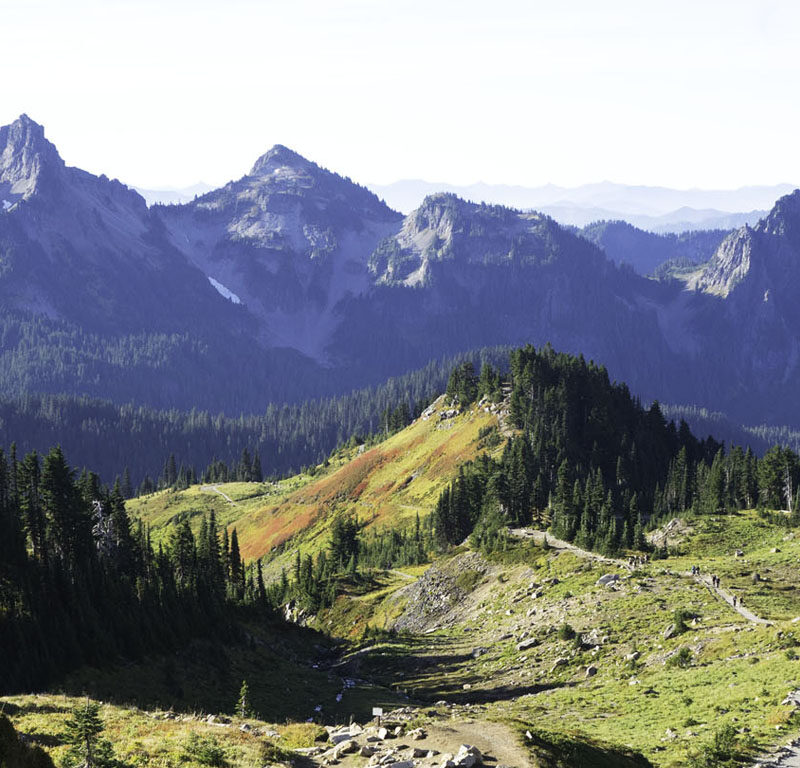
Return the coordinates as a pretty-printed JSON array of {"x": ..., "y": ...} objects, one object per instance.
[
  {"x": 277, "y": 157},
  {"x": 25, "y": 155},
  {"x": 784, "y": 218}
]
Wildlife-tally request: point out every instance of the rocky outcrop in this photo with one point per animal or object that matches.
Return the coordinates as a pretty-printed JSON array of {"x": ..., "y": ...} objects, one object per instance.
[{"x": 436, "y": 599}]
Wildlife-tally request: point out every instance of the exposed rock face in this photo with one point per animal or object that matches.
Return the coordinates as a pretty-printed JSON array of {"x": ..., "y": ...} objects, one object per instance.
[
  {"x": 290, "y": 239},
  {"x": 25, "y": 156},
  {"x": 447, "y": 229},
  {"x": 85, "y": 249},
  {"x": 730, "y": 264}
]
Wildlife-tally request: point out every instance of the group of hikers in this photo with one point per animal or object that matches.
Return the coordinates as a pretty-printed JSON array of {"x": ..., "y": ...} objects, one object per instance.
[
  {"x": 715, "y": 581},
  {"x": 639, "y": 560}
]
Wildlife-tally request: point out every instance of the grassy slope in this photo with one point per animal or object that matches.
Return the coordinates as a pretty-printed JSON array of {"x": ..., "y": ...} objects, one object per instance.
[
  {"x": 386, "y": 484},
  {"x": 142, "y": 738}
]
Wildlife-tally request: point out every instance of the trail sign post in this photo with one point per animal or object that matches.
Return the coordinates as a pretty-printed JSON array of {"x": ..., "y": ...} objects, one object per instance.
[{"x": 377, "y": 712}]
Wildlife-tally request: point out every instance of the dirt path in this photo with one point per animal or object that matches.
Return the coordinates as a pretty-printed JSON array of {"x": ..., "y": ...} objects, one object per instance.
[
  {"x": 785, "y": 757},
  {"x": 553, "y": 543},
  {"x": 539, "y": 536},
  {"x": 498, "y": 745},
  {"x": 492, "y": 739},
  {"x": 221, "y": 493},
  {"x": 728, "y": 598},
  {"x": 402, "y": 575}
]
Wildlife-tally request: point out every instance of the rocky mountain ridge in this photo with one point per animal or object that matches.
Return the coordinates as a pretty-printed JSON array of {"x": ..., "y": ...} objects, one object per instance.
[{"x": 322, "y": 287}]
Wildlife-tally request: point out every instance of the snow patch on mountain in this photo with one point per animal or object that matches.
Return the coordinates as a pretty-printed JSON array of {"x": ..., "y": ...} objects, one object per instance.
[
  {"x": 223, "y": 291},
  {"x": 7, "y": 205}
]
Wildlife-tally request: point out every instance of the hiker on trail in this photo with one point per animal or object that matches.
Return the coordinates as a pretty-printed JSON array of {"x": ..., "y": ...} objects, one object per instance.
[{"x": 734, "y": 601}]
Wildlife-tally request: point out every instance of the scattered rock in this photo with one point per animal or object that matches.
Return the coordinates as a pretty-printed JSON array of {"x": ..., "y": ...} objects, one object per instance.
[
  {"x": 607, "y": 580},
  {"x": 560, "y": 662},
  {"x": 591, "y": 671},
  {"x": 478, "y": 652},
  {"x": 670, "y": 631},
  {"x": 531, "y": 642},
  {"x": 467, "y": 756},
  {"x": 417, "y": 734},
  {"x": 345, "y": 748}
]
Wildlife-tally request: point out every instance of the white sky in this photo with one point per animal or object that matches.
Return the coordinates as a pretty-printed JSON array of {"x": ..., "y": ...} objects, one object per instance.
[{"x": 682, "y": 93}]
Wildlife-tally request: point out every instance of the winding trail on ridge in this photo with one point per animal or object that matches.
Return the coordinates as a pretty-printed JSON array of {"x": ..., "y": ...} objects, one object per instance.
[{"x": 704, "y": 580}]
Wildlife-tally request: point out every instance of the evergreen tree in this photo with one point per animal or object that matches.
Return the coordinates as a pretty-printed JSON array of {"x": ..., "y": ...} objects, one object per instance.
[
  {"x": 88, "y": 749},
  {"x": 237, "y": 574},
  {"x": 243, "y": 708},
  {"x": 256, "y": 474},
  {"x": 127, "y": 486}
]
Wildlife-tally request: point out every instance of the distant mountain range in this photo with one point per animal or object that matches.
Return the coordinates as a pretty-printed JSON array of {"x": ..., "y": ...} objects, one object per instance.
[
  {"x": 657, "y": 209},
  {"x": 294, "y": 282},
  {"x": 173, "y": 196}
]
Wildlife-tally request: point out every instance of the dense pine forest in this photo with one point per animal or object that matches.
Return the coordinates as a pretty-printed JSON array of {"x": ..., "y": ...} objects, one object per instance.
[{"x": 593, "y": 464}]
